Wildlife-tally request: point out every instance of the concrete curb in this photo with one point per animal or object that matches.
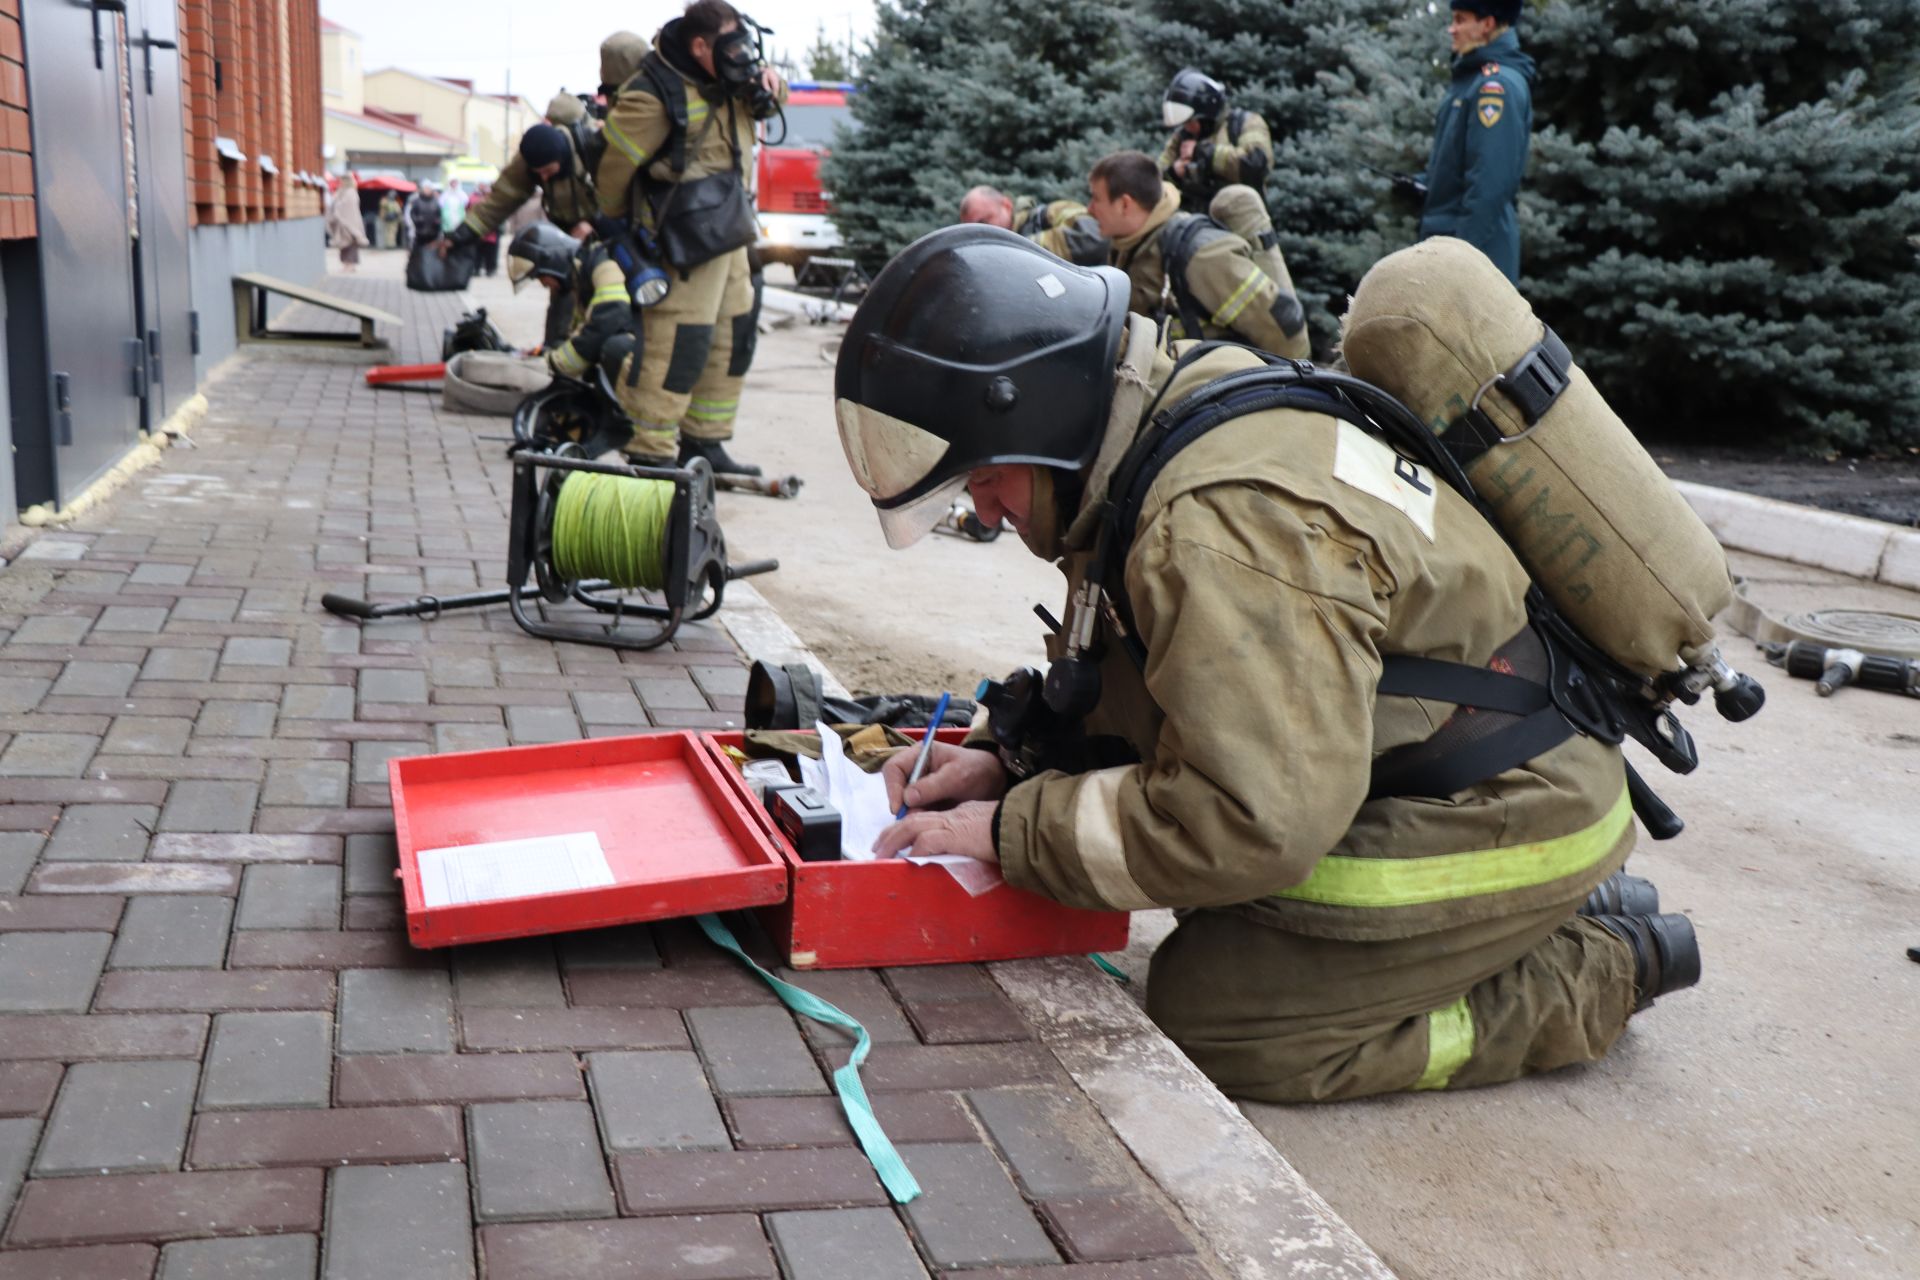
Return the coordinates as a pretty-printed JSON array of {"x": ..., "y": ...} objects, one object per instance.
[
  {"x": 1242, "y": 1198},
  {"x": 1869, "y": 549}
]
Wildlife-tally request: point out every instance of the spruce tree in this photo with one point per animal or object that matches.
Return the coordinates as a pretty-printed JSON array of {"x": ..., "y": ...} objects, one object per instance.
[
  {"x": 955, "y": 93},
  {"x": 1720, "y": 211},
  {"x": 1341, "y": 83},
  {"x": 827, "y": 60}
]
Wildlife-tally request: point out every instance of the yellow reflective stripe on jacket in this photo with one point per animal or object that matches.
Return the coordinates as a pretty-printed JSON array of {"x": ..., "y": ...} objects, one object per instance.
[
  {"x": 710, "y": 410},
  {"x": 567, "y": 360},
  {"x": 474, "y": 224},
  {"x": 696, "y": 109},
  {"x": 625, "y": 143},
  {"x": 609, "y": 293},
  {"x": 1237, "y": 301},
  {"x": 1449, "y": 1044},
  {"x": 1404, "y": 882}
]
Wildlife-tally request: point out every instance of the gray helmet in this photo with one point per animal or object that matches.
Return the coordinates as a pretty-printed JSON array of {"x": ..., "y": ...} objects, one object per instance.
[
  {"x": 541, "y": 250},
  {"x": 973, "y": 347}
]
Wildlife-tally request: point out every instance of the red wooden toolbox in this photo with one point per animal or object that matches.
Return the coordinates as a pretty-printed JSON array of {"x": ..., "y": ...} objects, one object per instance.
[{"x": 683, "y": 835}]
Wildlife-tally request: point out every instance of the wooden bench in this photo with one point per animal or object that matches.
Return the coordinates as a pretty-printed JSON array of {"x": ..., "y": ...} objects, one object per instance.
[{"x": 251, "y": 290}]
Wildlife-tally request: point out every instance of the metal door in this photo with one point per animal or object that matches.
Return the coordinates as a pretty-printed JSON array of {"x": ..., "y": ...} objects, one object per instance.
[
  {"x": 160, "y": 183},
  {"x": 95, "y": 358}
]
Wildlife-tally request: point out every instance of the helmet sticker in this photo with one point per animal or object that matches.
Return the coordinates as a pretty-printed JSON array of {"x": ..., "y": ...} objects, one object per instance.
[{"x": 1050, "y": 285}]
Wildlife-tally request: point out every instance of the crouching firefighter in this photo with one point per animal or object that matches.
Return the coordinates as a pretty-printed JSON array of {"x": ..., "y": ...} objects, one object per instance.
[
  {"x": 1304, "y": 690},
  {"x": 604, "y": 333},
  {"x": 674, "y": 192}
]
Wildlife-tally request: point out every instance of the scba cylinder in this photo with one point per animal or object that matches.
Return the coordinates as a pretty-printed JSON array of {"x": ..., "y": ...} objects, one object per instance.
[{"x": 1591, "y": 516}]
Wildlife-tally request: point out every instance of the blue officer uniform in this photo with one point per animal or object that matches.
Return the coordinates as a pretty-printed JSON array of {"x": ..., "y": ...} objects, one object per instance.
[{"x": 1480, "y": 151}]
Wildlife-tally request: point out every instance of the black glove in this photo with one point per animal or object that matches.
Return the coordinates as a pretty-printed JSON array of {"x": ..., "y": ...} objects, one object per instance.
[
  {"x": 1407, "y": 184},
  {"x": 462, "y": 237}
]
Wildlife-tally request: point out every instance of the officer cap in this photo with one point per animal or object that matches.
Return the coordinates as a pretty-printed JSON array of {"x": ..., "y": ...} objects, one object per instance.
[
  {"x": 1504, "y": 12},
  {"x": 541, "y": 249},
  {"x": 1193, "y": 94},
  {"x": 973, "y": 347}
]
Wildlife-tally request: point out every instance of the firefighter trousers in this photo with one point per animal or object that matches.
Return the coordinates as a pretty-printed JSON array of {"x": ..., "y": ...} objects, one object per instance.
[
  {"x": 1273, "y": 1016},
  {"x": 697, "y": 343}
]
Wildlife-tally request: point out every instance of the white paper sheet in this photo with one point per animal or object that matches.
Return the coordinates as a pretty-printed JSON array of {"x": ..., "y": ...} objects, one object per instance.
[
  {"x": 512, "y": 868},
  {"x": 861, "y": 798}
]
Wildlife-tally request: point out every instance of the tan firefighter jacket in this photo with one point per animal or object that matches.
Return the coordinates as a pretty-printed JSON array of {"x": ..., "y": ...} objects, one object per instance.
[
  {"x": 1221, "y": 288},
  {"x": 1277, "y": 558}
]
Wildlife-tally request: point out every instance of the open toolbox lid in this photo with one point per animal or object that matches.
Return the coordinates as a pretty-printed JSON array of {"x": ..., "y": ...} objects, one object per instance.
[{"x": 675, "y": 826}]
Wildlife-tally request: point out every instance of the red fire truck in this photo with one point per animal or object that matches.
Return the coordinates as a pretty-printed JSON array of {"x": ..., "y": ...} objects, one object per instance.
[{"x": 794, "y": 222}]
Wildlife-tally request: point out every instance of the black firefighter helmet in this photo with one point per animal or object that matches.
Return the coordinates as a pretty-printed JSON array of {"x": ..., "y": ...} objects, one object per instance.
[
  {"x": 1193, "y": 96},
  {"x": 974, "y": 347},
  {"x": 541, "y": 249}
]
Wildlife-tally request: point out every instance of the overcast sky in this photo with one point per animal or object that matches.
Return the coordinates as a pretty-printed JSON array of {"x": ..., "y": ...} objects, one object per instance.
[{"x": 552, "y": 44}]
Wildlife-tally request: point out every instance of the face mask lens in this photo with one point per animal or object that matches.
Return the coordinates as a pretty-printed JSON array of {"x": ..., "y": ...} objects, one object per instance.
[{"x": 733, "y": 56}]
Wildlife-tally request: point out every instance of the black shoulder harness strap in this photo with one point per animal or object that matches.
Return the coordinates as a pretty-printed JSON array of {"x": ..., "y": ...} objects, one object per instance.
[
  {"x": 1179, "y": 240},
  {"x": 668, "y": 86},
  {"x": 1542, "y": 698}
]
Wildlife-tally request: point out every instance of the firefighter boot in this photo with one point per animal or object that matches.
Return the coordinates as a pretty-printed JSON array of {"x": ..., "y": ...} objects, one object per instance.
[
  {"x": 1666, "y": 954},
  {"x": 1622, "y": 895},
  {"x": 715, "y": 452}
]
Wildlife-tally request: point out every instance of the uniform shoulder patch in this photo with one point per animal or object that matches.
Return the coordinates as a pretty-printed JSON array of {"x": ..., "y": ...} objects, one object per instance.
[
  {"x": 1371, "y": 467},
  {"x": 1493, "y": 86},
  {"x": 1489, "y": 68},
  {"x": 1490, "y": 111}
]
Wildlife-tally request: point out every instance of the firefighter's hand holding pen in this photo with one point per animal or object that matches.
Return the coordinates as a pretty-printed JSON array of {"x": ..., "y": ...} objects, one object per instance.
[{"x": 965, "y": 781}]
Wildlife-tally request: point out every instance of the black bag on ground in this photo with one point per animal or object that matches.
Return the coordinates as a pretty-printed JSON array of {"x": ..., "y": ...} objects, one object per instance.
[
  {"x": 428, "y": 272},
  {"x": 790, "y": 697},
  {"x": 471, "y": 332},
  {"x": 700, "y": 220}
]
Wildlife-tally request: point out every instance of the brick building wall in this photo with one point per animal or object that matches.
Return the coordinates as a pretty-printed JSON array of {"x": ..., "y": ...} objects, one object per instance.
[
  {"x": 17, "y": 221},
  {"x": 251, "y": 73}
]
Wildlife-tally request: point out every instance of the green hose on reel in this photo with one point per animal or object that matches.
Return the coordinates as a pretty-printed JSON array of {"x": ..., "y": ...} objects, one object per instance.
[{"x": 612, "y": 527}]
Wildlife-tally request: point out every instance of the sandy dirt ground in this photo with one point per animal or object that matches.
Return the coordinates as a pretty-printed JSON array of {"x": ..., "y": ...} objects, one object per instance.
[{"x": 1763, "y": 1124}]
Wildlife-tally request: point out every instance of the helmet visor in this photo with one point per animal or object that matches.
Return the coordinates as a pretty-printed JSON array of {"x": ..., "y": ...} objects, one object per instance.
[
  {"x": 519, "y": 271},
  {"x": 1175, "y": 114},
  {"x": 890, "y": 457}
]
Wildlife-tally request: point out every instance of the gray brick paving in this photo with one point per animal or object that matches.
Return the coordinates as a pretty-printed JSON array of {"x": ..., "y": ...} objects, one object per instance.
[
  {"x": 382, "y": 684},
  {"x": 180, "y": 664},
  {"x": 406, "y": 1222},
  {"x": 536, "y": 1160},
  {"x": 103, "y": 833},
  {"x": 527, "y": 725},
  {"x": 395, "y": 1011},
  {"x": 119, "y": 1117},
  {"x": 312, "y": 783},
  {"x": 971, "y": 1214},
  {"x": 370, "y": 759},
  {"x": 125, "y": 617},
  {"x": 231, "y": 718},
  {"x": 610, "y": 708},
  {"x": 16, "y": 1149},
  {"x": 52, "y": 630},
  {"x": 19, "y": 850},
  {"x": 159, "y": 573},
  {"x": 173, "y": 931},
  {"x": 624, "y": 947},
  {"x": 833, "y": 1244},
  {"x": 242, "y": 1258},
  {"x": 468, "y": 737},
  {"x": 269, "y": 1060},
  {"x": 22, "y": 693},
  {"x": 317, "y": 702},
  {"x": 1056, "y": 1143},
  {"x": 655, "y": 1101},
  {"x": 370, "y": 863},
  {"x": 47, "y": 755},
  {"x": 256, "y": 651},
  {"x": 753, "y": 1051},
  {"x": 514, "y": 975},
  {"x": 50, "y": 972},
  {"x": 670, "y": 693},
  {"x": 289, "y": 897},
  {"x": 201, "y": 805},
  {"x": 205, "y": 609},
  {"x": 148, "y": 736},
  {"x": 96, "y": 680}
]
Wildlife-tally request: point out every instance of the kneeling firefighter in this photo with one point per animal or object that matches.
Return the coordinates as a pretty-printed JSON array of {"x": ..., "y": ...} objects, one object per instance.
[
  {"x": 674, "y": 188},
  {"x": 1305, "y": 689},
  {"x": 603, "y": 333}
]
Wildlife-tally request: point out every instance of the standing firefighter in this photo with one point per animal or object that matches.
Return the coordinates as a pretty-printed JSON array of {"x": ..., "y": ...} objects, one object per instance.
[
  {"x": 1379, "y": 890},
  {"x": 1480, "y": 135},
  {"x": 1063, "y": 228},
  {"x": 1207, "y": 280},
  {"x": 674, "y": 179},
  {"x": 556, "y": 159},
  {"x": 1212, "y": 146}
]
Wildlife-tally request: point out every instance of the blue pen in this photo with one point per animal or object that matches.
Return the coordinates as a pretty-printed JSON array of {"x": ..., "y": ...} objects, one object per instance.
[{"x": 926, "y": 749}]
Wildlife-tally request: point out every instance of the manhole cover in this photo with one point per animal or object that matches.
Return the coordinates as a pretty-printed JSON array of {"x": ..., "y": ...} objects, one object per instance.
[{"x": 1891, "y": 633}]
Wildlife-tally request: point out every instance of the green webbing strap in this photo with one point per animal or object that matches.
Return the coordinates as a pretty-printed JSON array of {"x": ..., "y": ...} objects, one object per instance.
[
  {"x": 1111, "y": 969},
  {"x": 846, "y": 1081}
]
